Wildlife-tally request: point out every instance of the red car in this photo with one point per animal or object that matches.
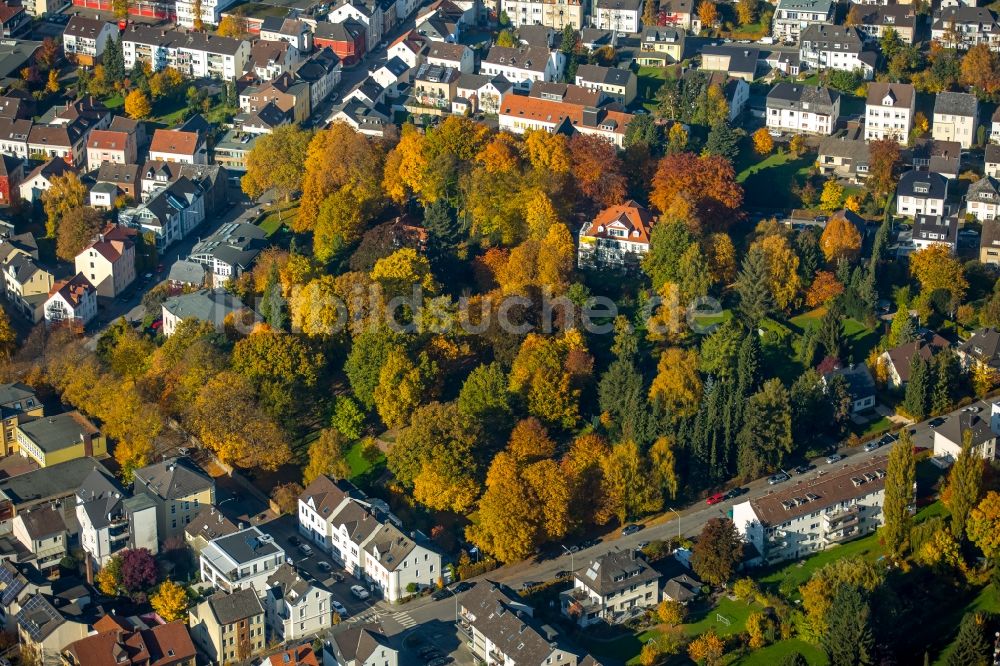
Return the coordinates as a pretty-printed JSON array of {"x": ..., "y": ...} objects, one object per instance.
[{"x": 715, "y": 499}]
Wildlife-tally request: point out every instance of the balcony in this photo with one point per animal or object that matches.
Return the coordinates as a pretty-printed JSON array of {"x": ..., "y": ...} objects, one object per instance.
[
  {"x": 842, "y": 518},
  {"x": 842, "y": 535}
]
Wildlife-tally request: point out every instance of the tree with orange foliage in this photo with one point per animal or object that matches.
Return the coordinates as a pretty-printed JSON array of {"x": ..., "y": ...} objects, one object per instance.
[
  {"x": 763, "y": 144},
  {"x": 701, "y": 191},
  {"x": 840, "y": 239},
  {"x": 981, "y": 69},
  {"x": 501, "y": 154},
  {"x": 935, "y": 268},
  {"x": 708, "y": 13},
  {"x": 597, "y": 169},
  {"x": 883, "y": 159},
  {"x": 824, "y": 289},
  {"x": 708, "y": 647}
]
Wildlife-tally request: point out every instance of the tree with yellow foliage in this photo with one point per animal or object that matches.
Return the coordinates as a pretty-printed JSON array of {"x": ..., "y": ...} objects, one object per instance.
[
  {"x": 708, "y": 13},
  {"x": 277, "y": 161},
  {"x": 759, "y": 626},
  {"x": 582, "y": 466},
  {"x": 539, "y": 214},
  {"x": 707, "y": 647},
  {"x": 746, "y": 11},
  {"x": 327, "y": 456},
  {"x": 677, "y": 139},
  {"x": 763, "y": 144},
  {"x": 936, "y": 269},
  {"x": 109, "y": 578},
  {"x": 314, "y": 308},
  {"x": 832, "y": 196},
  {"x": 170, "y": 601},
  {"x": 627, "y": 488},
  {"x": 824, "y": 288},
  {"x": 548, "y": 152},
  {"x": 137, "y": 105},
  {"x": 556, "y": 259},
  {"x": 663, "y": 458},
  {"x": 853, "y": 203},
  {"x": 782, "y": 262},
  {"x": 797, "y": 145},
  {"x": 52, "y": 84},
  {"x": 65, "y": 193},
  {"x": 401, "y": 386},
  {"x": 403, "y": 270},
  {"x": 840, "y": 239},
  {"x": 548, "y": 373},
  {"x": 677, "y": 386},
  {"x": 983, "y": 525},
  {"x": 671, "y": 612},
  {"x": 721, "y": 255},
  {"x": 229, "y": 26}
]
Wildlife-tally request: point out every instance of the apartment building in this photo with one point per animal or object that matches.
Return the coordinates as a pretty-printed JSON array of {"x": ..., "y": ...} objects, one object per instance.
[
  {"x": 294, "y": 607},
  {"x": 875, "y": 20},
  {"x": 523, "y": 65},
  {"x": 84, "y": 38},
  {"x": 26, "y": 285},
  {"x": 980, "y": 430},
  {"x": 171, "y": 213},
  {"x": 18, "y": 402},
  {"x": 802, "y": 109},
  {"x": 921, "y": 193},
  {"x": 179, "y": 489},
  {"x": 229, "y": 252},
  {"x": 111, "y": 521},
  {"x": 108, "y": 261},
  {"x": 518, "y": 114},
  {"x": 229, "y": 627},
  {"x": 555, "y": 14},
  {"x": 889, "y": 111},
  {"x": 931, "y": 230},
  {"x": 613, "y": 588},
  {"x": 955, "y": 118},
  {"x": 817, "y": 513},
  {"x": 660, "y": 46},
  {"x": 243, "y": 560},
  {"x": 836, "y": 47},
  {"x": 618, "y": 84},
  {"x": 618, "y": 15},
  {"x": 792, "y": 16},
  {"x": 43, "y": 532},
  {"x": 50, "y": 440},
  {"x": 961, "y": 27},
  {"x": 360, "y": 646},
  {"x": 118, "y": 641},
  {"x": 73, "y": 300},
  {"x": 195, "y": 54},
  {"x": 211, "y": 11}
]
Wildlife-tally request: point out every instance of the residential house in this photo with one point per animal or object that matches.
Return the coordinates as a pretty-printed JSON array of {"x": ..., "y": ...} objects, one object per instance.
[
  {"x": 875, "y": 19},
  {"x": 889, "y": 111},
  {"x": 363, "y": 118},
  {"x": 346, "y": 39},
  {"x": 409, "y": 47},
  {"x": 802, "y": 109},
  {"x": 360, "y": 646},
  {"x": 292, "y": 30},
  {"x": 898, "y": 360},
  {"x": 369, "y": 92},
  {"x": 554, "y": 14},
  {"x": 285, "y": 92},
  {"x": 269, "y": 60},
  {"x": 737, "y": 61},
  {"x": 211, "y": 11},
  {"x": 367, "y": 13},
  {"x": 943, "y": 157},
  {"x": 13, "y": 19},
  {"x": 817, "y": 513},
  {"x": 215, "y": 306},
  {"x": 108, "y": 261},
  {"x": 617, "y": 237},
  {"x": 501, "y": 628},
  {"x": 994, "y": 129},
  {"x": 538, "y": 35},
  {"x": 111, "y": 146},
  {"x": 232, "y": 149},
  {"x": 989, "y": 243},
  {"x": 596, "y": 38},
  {"x": 618, "y": 15},
  {"x": 482, "y": 93},
  {"x": 42, "y": 531},
  {"x": 65, "y": 142},
  {"x": 395, "y": 565},
  {"x": 524, "y": 65},
  {"x": 619, "y": 84},
  {"x": 84, "y": 38},
  {"x": 860, "y": 385},
  {"x": 519, "y": 114},
  {"x": 50, "y": 440},
  {"x": 786, "y": 62},
  {"x": 244, "y": 560},
  {"x": 981, "y": 349},
  {"x": 935, "y": 230},
  {"x": 178, "y": 146},
  {"x": 392, "y": 76},
  {"x": 983, "y": 199},
  {"x": 73, "y": 300},
  {"x": 209, "y": 178},
  {"x": 660, "y": 46},
  {"x": 11, "y": 175},
  {"x": 303, "y": 654},
  {"x": 14, "y": 136},
  {"x": 171, "y": 213},
  {"x": 18, "y": 403},
  {"x": 111, "y": 521},
  {"x": 208, "y": 525},
  {"x": 443, "y": 20},
  {"x": 48, "y": 623},
  {"x": 322, "y": 72},
  {"x": 26, "y": 285},
  {"x": 125, "y": 178},
  {"x": 681, "y": 14},
  {"x": 921, "y": 193},
  {"x": 456, "y": 56},
  {"x": 195, "y": 54},
  {"x": 839, "y": 48},
  {"x": 230, "y": 251},
  {"x": 41, "y": 487},
  {"x": 295, "y": 607},
  {"x": 962, "y": 27},
  {"x": 179, "y": 489},
  {"x": 125, "y": 642},
  {"x": 791, "y": 17},
  {"x": 434, "y": 86},
  {"x": 229, "y": 628},
  {"x": 980, "y": 429},
  {"x": 955, "y": 118},
  {"x": 613, "y": 588},
  {"x": 186, "y": 274}
]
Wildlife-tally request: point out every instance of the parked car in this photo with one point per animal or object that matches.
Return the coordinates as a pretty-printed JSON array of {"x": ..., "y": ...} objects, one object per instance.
[
  {"x": 305, "y": 549},
  {"x": 802, "y": 469},
  {"x": 564, "y": 575},
  {"x": 440, "y": 661},
  {"x": 836, "y": 457},
  {"x": 325, "y": 566},
  {"x": 294, "y": 540},
  {"x": 631, "y": 529},
  {"x": 872, "y": 445},
  {"x": 641, "y": 545},
  {"x": 359, "y": 592},
  {"x": 462, "y": 587},
  {"x": 735, "y": 492},
  {"x": 715, "y": 499},
  {"x": 777, "y": 478},
  {"x": 887, "y": 439},
  {"x": 934, "y": 423},
  {"x": 440, "y": 594},
  {"x": 339, "y": 609}
]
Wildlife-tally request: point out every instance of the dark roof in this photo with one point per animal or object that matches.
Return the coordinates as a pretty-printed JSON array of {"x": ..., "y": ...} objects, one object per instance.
[
  {"x": 80, "y": 26},
  {"x": 935, "y": 228},
  {"x": 993, "y": 152},
  {"x": 616, "y": 571},
  {"x": 922, "y": 184},
  {"x": 59, "y": 431},
  {"x": 660, "y": 34},
  {"x": 60, "y": 480},
  {"x": 963, "y": 14},
  {"x": 247, "y": 545},
  {"x": 786, "y": 95},
  {"x": 235, "y": 243},
  {"x": 607, "y": 75},
  {"x": 532, "y": 58},
  {"x": 860, "y": 383},
  {"x": 210, "y": 524},
  {"x": 357, "y": 644},
  {"x": 101, "y": 495},
  {"x": 43, "y": 521},
  {"x": 396, "y": 66},
  {"x": 319, "y": 64},
  {"x": 628, "y": 5},
  {"x": 826, "y": 37},
  {"x": 956, "y": 104},
  {"x": 235, "y": 606},
  {"x": 175, "y": 478},
  {"x": 346, "y": 31},
  {"x": 955, "y": 427},
  {"x": 742, "y": 59},
  {"x": 326, "y": 494},
  {"x": 200, "y": 41},
  {"x": 984, "y": 346},
  {"x": 887, "y": 15},
  {"x": 111, "y": 172},
  {"x": 536, "y": 35},
  {"x": 925, "y": 347},
  {"x": 503, "y": 618}
]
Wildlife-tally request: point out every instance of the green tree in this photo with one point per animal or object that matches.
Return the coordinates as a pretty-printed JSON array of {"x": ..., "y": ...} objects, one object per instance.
[
  {"x": 756, "y": 302},
  {"x": 668, "y": 242},
  {"x": 946, "y": 378},
  {"x": 368, "y": 354},
  {"x": 620, "y": 391},
  {"x": 830, "y": 334},
  {"x": 849, "y": 640},
  {"x": 917, "y": 397},
  {"x": 484, "y": 399},
  {"x": 970, "y": 647},
  {"x": 113, "y": 60},
  {"x": 766, "y": 436},
  {"x": 401, "y": 386},
  {"x": 965, "y": 481},
  {"x": 277, "y": 161},
  {"x": 273, "y": 307},
  {"x": 899, "y": 480},
  {"x": 902, "y": 330},
  {"x": 717, "y": 551},
  {"x": 724, "y": 141},
  {"x": 348, "y": 419},
  {"x": 627, "y": 489},
  {"x": 444, "y": 235}
]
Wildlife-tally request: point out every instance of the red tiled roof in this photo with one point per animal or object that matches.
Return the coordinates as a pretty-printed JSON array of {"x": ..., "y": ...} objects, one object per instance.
[
  {"x": 107, "y": 140},
  {"x": 118, "y": 644},
  {"x": 550, "y": 111},
  {"x": 7, "y": 12},
  {"x": 302, "y": 654},
  {"x": 73, "y": 289},
  {"x": 636, "y": 220},
  {"x": 174, "y": 141}
]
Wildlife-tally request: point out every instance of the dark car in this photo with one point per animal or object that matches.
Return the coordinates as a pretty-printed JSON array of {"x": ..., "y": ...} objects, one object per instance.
[
  {"x": 440, "y": 594},
  {"x": 887, "y": 439},
  {"x": 294, "y": 540},
  {"x": 563, "y": 575},
  {"x": 631, "y": 529},
  {"x": 802, "y": 469},
  {"x": 871, "y": 446},
  {"x": 934, "y": 423},
  {"x": 462, "y": 587},
  {"x": 735, "y": 492},
  {"x": 777, "y": 478}
]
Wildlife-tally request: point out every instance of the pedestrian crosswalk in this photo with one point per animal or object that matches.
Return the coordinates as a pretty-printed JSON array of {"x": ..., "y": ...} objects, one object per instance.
[
  {"x": 404, "y": 619},
  {"x": 374, "y": 615}
]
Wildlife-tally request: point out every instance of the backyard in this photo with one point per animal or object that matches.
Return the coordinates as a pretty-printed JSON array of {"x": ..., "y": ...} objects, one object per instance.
[{"x": 758, "y": 177}]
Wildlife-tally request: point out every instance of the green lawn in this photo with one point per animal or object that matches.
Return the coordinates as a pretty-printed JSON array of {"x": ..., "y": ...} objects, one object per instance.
[
  {"x": 360, "y": 466},
  {"x": 860, "y": 339},
  {"x": 116, "y": 101},
  {"x": 787, "y": 577},
  {"x": 650, "y": 80},
  {"x": 772, "y": 654},
  {"x": 282, "y": 214},
  {"x": 736, "y": 612},
  {"x": 766, "y": 183}
]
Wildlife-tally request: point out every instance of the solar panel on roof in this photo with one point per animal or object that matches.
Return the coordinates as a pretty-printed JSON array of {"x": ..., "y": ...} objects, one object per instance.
[
  {"x": 12, "y": 586},
  {"x": 36, "y": 614}
]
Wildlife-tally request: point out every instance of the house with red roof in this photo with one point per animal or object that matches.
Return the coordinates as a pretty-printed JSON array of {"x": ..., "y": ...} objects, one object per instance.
[
  {"x": 178, "y": 146},
  {"x": 617, "y": 237},
  {"x": 71, "y": 301},
  {"x": 108, "y": 262},
  {"x": 115, "y": 146},
  {"x": 118, "y": 642}
]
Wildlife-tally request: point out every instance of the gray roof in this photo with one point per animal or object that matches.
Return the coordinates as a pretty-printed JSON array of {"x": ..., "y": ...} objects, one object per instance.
[
  {"x": 984, "y": 346},
  {"x": 14, "y": 54},
  {"x": 247, "y": 545},
  {"x": 992, "y": 152},
  {"x": 742, "y": 59},
  {"x": 175, "y": 478},
  {"x": 626, "y": 5},
  {"x": 531, "y": 58},
  {"x": 807, "y": 5},
  {"x": 59, "y": 431},
  {"x": 936, "y": 228},
  {"x": 101, "y": 495},
  {"x": 235, "y": 243},
  {"x": 607, "y": 75},
  {"x": 319, "y": 64},
  {"x": 199, "y": 41},
  {"x": 43, "y": 521},
  {"x": 964, "y": 15},
  {"x": 860, "y": 383},
  {"x": 596, "y": 36},
  {"x": 235, "y": 606},
  {"x": 955, "y": 427},
  {"x": 887, "y": 15},
  {"x": 80, "y": 26},
  {"x": 826, "y": 37},
  {"x": 357, "y": 644},
  {"x": 211, "y": 305},
  {"x": 536, "y": 35},
  {"x": 396, "y": 66},
  {"x": 956, "y": 104},
  {"x": 187, "y": 272},
  {"x": 210, "y": 524},
  {"x": 286, "y": 583},
  {"x": 16, "y": 397},
  {"x": 922, "y": 184},
  {"x": 60, "y": 480},
  {"x": 616, "y": 571},
  {"x": 661, "y": 35},
  {"x": 986, "y": 190},
  {"x": 793, "y": 96},
  {"x": 502, "y": 617},
  {"x": 390, "y": 546}
]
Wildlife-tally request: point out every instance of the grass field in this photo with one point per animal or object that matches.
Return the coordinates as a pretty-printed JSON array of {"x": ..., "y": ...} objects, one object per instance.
[
  {"x": 650, "y": 80},
  {"x": 760, "y": 178},
  {"x": 773, "y": 654},
  {"x": 360, "y": 466},
  {"x": 860, "y": 339},
  {"x": 787, "y": 577},
  {"x": 282, "y": 214}
]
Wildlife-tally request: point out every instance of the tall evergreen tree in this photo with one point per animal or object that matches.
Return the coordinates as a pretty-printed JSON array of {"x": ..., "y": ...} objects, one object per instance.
[
  {"x": 899, "y": 480},
  {"x": 620, "y": 392},
  {"x": 748, "y": 366},
  {"x": 113, "y": 59},
  {"x": 667, "y": 244},
  {"x": 273, "y": 307},
  {"x": 807, "y": 248},
  {"x": 946, "y": 375},
  {"x": 810, "y": 408},
  {"x": 830, "y": 334},
  {"x": 568, "y": 43},
  {"x": 970, "y": 647},
  {"x": 723, "y": 140},
  {"x": 917, "y": 397},
  {"x": 901, "y": 331},
  {"x": 766, "y": 437},
  {"x": 966, "y": 482},
  {"x": 848, "y": 640},
  {"x": 752, "y": 286},
  {"x": 443, "y": 232}
]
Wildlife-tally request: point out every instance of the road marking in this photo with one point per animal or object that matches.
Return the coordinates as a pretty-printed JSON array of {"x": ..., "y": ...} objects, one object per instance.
[{"x": 404, "y": 619}]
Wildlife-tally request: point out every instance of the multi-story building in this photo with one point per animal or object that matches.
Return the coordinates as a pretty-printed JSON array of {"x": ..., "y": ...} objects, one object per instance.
[
  {"x": 171, "y": 213},
  {"x": 816, "y": 513},
  {"x": 26, "y": 285},
  {"x": 211, "y": 11},
  {"x": 518, "y": 114},
  {"x": 962, "y": 27},
  {"x": 618, "y": 15},
  {"x": 524, "y": 65},
  {"x": 229, "y": 252},
  {"x": 980, "y": 431},
  {"x": 501, "y": 629},
  {"x": 921, "y": 192},
  {"x": 889, "y": 111},
  {"x": 84, "y": 38},
  {"x": 835, "y": 47},
  {"x": 734, "y": 60},
  {"x": 982, "y": 349},
  {"x": 456, "y": 56},
  {"x": 294, "y": 31},
  {"x": 179, "y": 489},
  {"x": 294, "y": 607},
  {"x": 983, "y": 199},
  {"x": 360, "y": 646},
  {"x": 42, "y": 531},
  {"x": 213, "y": 306},
  {"x": 111, "y": 146},
  {"x": 660, "y": 46},
  {"x": 49, "y": 485},
  {"x": 555, "y": 14},
  {"x": 111, "y": 521},
  {"x": 802, "y": 109},
  {"x": 792, "y": 16},
  {"x": 618, "y": 84},
  {"x": 207, "y": 526},
  {"x": 681, "y": 14},
  {"x": 71, "y": 301},
  {"x": 108, "y": 261},
  {"x": 322, "y": 72},
  {"x": 435, "y": 86},
  {"x": 875, "y": 20},
  {"x": 117, "y": 641},
  {"x": 955, "y": 118},
  {"x": 285, "y": 92},
  {"x": 348, "y": 40},
  {"x": 368, "y": 13},
  {"x": 244, "y": 560},
  {"x": 613, "y": 588},
  {"x": 229, "y": 627},
  {"x": 18, "y": 403},
  {"x": 935, "y": 230},
  {"x": 50, "y": 440},
  {"x": 194, "y": 54},
  {"x": 178, "y": 146},
  {"x": 989, "y": 243},
  {"x": 617, "y": 237}
]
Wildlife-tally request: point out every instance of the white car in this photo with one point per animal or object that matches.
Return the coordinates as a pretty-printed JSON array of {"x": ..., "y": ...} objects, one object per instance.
[
  {"x": 359, "y": 592},
  {"x": 339, "y": 609}
]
